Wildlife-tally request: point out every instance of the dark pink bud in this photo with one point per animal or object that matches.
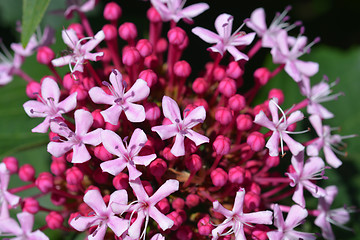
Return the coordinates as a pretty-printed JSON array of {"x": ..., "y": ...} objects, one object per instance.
[
  {"x": 175, "y": 216},
  {"x": 193, "y": 163},
  {"x": 233, "y": 70},
  {"x": 244, "y": 122},
  {"x": 158, "y": 167},
  {"x": 227, "y": 87},
  {"x": 30, "y": 205},
  {"x": 149, "y": 76},
  {"x": 54, "y": 220},
  {"x": 121, "y": 181},
  {"x": 130, "y": 56},
  {"x": 153, "y": 15},
  {"x": 100, "y": 176},
  {"x": 99, "y": 121},
  {"x": 222, "y": 145},
  {"x": 261, "y": 107},
  {"x": 277, "y": 93},
  {"x": 151, "y": 61},
  {"x": 161, "y": 45},
  {"x": 204, "y": 226},
  {"x": 144, "y": 47},
  {"x": 202, "y": 102},
  {"x": 110, "y": 32},
  {"x": 260, "y": 232},
  {"x": 32, "y": 88},
  {"x": 200, "y": 86},
  {"x": 256, "y": 141},
  {"x": 106, "y": 58},
  {"x": 127, "y": 31},
  {"x": 74, "y": 176},
  {"x": 236, "y": 175},
  {"x": 148, "y": 188},
  {"x": 114, "y": 128},
  {"x": 255, "y": 188},
  {"x": 192, "y": 200},
  {"x": 45, "y": 182},
  {"x": 101, "y": 153},
  {"x": 88, "y": 83},
  {"x": 223, "y": 115},
  {"x": 152, "y": 111},
  {"x": 219, "y": 177},
  {"x": 168, "y": 155},
  {"x": 182, "y": 69},
  {"x": 82, "y": 93},
  {"x": 58, "y": 199},
  {"x": 237, "y": 102},
  {"x": 219, "y": 73},
  {"x": 176, "y": 36},
  {"x": 292, "y": 127},
  {"x": 12, "y": 164},
  {"x": 272, "y": 161},
  {"x": 45, "y": 55},
  {"x": 78, "y": 28},
  {"x": 190, "y": 146},
  {"x": 252, "y": 200},
  {"x": 163, "y": 205},
  {"x": 112, "y": 11},
  {"x": 68, "y": 81},
  {"x": 184, "y": 44},
  {"x": 178, "y": 203},
  {"x": 262, "y": 75},
  {"x": 184, "y": 233},
  {"x": 58, "y": 167},
  {"x": 27, "y": 173}
]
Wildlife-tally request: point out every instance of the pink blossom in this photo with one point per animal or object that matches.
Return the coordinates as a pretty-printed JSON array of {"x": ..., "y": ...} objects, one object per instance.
[
  {"x": 80, "y": 52},
  {"x": 75, "y": 140},
  {"x": 49, "y": 107},
  {"x": 103, "y": 216},
  {"x": 180, "y": 128},
  {"x": 79, "y": 6},
  {"x": 127, "y": 157},
  {"x": 236, "y": 218},
  {"x": 225, "y": 41},
  {"x": 120, "y": 100},
  {"x": 9, "y": 65},
  {"x": 5, "y": 196}
]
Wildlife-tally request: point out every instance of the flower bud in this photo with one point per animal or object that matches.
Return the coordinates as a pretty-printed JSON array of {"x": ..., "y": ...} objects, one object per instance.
[
  {"x": 149, "y": 76},
  {"x": 152, "y": 111},
  {"x": 277, "y": 93},
  {"x": 58, "y": 199},
  {"x": 82, "y": 93},
  {"x": 144, "y": 47},
  {"x": 236, "y": 175},
  {"x": 114, "y": 128},
  {"x": 130, "y": 56},
  {"x": 88, "y": 83},
  {"x": 256, "y": 141},
  {"x": 45, "y": 55},
  {"x": 58, "y": 167},
  {"x": 112, "y": 11},
  {"x": 101, "y": 153},
  {"x": 27, "y": 173},
  {"x": 178, "y": 203},
  {"x": 74, "y": 176},
  {"x": 12, "y": 164},
  {"x": 153, "y": 15},
  {"x": 184, "y": 44},
  {"x": 219, "y": 177},
  {"x": 200, "y": 86},
  {"x": 148, "y": 188},
  {"x": 158, "y": 167},
  {"x": 127, "y": 31},
  {"x": 252, "y": 200},
  {"x": 237, "y": 102},
  {"x": 223, "y": 115},
  {"x": 32, "y": 89},
  {"x": 54, "y": 220},
  {"x": 204, "y": 226},
  {"x": 272, "y": 161},
  {"x": 227, "y": 87},
  {"x": 233, "y": 70},
  {"x": 168, "y": 155},
  {"x": 222, "y": 145},
  {"x": 44, "y": 182},
  {"x": 182, "y": 69},
  {"x": 110, "y": 32},
  {"x": 163, "y": 205},
  {"x": 30, "y": 205},
  {"x": 176, "y": 36},
  {"x": 121, "y": 181},
  {"x": 192, "y": 200},
  {"x": 219, "y": 73},
  {"x": 68, "y": 81},
  {"x": 100, "y": 176},
  {"x": 151, "y": 62},
  {"x": 202, "y": 102},
  {"x": 99, "y": 121},
  {"x": 78, "y": 28},
  {"x": 184, "y": 233},
  {"x": 260, "y": 232},
  {"x": 262, "y": 75},
  {"x": 244, "y": 122},
  {"x": 193, "y": 163},
  {"x": 175, "y": 216}
]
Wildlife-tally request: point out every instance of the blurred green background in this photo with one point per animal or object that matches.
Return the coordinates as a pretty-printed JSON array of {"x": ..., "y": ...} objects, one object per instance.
[{"x": 338, "y": 53}]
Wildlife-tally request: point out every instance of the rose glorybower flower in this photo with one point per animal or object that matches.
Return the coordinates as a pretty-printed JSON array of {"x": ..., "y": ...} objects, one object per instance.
[
  {"x": 75, "y": 140},
  {"x": 6, "y": 197},
  {"x": 80, "y": 52},
  {"x": 225, "y": 41},
  {"x": 174, "y": 9},
  {"x": 9, "y": 65},
  {"x": 128, "y": 157},
  {"x": 120, "y": 100},
  {"x": 235, "y": 219},
  {"x": 49, "y": 107},
  {"x": 285, "y": 229},
  {"x": 145, "y": 207},
  {"x": 103, "y": 216},
  {"x": 180, "y": 128},
  {"x": 79, "y": 6}
]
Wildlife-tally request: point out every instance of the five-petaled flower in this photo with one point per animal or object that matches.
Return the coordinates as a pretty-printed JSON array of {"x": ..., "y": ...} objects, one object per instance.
[{"x": 6, "y": 198}]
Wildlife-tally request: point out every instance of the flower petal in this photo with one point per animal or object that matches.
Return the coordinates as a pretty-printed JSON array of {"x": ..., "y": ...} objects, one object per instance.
[
  {"x": 58, "y": 149},
  {"x": 178, "y": 149},
  {"x": 80, "y": 154},
  {"x": 165, "y": 190},
  {"x": 195, "y": 117},
  {"x": 134, "y": 112},
  {"x": 139, "y": 91},
  {"x": 197, "y": 138},
  {"x": 50, "y": 89},
  {"x": 83, "y": 121},
  {"x": 221, "y": 20},
  {"x": 112, "y": 114},
  {"x": 171, "y": 109},
  {"x": 166, "y": 131},
  {"x": 115, "y": 166},
  {"x": 206, "y": 35},
  {"x": 68, "y": 104},
  {"x": 163, "y": 221},
  {"x": 113, "y": 143},
  {"x": 98, "y": 95},
  {"x": 95, "y": 201}
]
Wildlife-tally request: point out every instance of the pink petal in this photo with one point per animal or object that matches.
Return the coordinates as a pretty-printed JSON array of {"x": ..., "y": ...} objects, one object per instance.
[
  {"x": 114, "y": 167},
  {"x": 68, "y": 104},
  {"x": 134, "y": 112},
  {"x": 246, "y": 39},
  {"x": 92, "y": 43},
  {"x": 257, "y": 21},
  {"x": 139, "y": 91},
  {"x": 61, "y": 61},
  {"x": 170, "y": 109},
  {"x": 144, "y": 160},
  {"x": 26, "y": 221},
  {"x": 178, "y": 149},
  {"x": 88, "y": 6},
  {"x": 118, "y": 225},
  {"x": 262, "y": 120},
  {"x": 316, "y": 122},
  {"x": 318, "y": 109},
  {"x": 312, "y": 166},
  {"x": 262, "y": 217},
  {"x": 275, "y": 235},
  {"x": 113, "y": 143},
  {"x": 278, "y": 218},
  {"x": 166, "y": 131},
  {"x": 291, "y": 69},
  {"x": 239, "y": 201},
  {"x": 220, "y": 209},
  {"x": 219, "y": 24},
  {"x": 138, "y": 139},
  {"x": 11, "y": 199},
  {"x": 133, "y": 172},
  {"x": 219, "y": 47},
  {"x": 194, "y": 10},
  {"x": 295, "y": 216},
  {"x": 83, "y": 223},
  {"x": 99, "y": 233},
  {"x": 195, "y": 117},
  {"x": 295, "y": 147},
  {"x": 274, "y": 110},
  {"x": 116, "y": 81},
  {"x": 80, "y": 154},
  {"x": 314, "y": 148},
  {"x": 37, "y": 235},
  {"x": 295, "y": 117},
  {"x": 139, "y": 190},
  {"x": 83, "y": 121},
  {"x": 112, "y": 114},
  {"x": 50, "y": 89},
  {"x": 37, "y": 107},
  {"x": 298, "y": 195},
  {"x": 98, "y": 95},
  {"x": 9, "y": 225},
  {"x": 42, "y": 127},
  {"x": 92, "y": 57},
  {"x": 135, "y": 228},
  {"x": 197, "y": 138},
  {"x": 331, "y": 158},
  {"x": 216, "y": 232},
  {"x": 206, "y": 35},
  {"x": 58, "y": 149},
  {"x": 119, "y": 197},
  {"x": 69, "y": 37},
  {"x": 163, "y": 221},
  {"x": 95, "y": 201},
  {"x": 307, "y": 68},
  {"x": 93, "y": 137},
  {"x": 236, "y": 53},
  {"x": 282, "y": 40},
  {"x": 165, "y": 190}
]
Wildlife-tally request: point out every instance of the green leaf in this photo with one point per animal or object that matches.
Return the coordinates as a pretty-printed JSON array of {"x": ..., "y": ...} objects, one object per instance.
[{"x": 33, "y": 12}]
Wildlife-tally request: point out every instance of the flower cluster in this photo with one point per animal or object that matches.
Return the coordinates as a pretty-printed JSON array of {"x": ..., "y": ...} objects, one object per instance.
[{"x": 142, "y": 149}]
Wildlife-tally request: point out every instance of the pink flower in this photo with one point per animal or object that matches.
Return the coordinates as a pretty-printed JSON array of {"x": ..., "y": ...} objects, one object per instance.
[
  {"x": 174, "y": 9},
  {"x": 9, "y": 65},
  {"x": 180, "y": 128},
  {"x": 225, "y": 41},
  {"x": 5, "y": 196},
  {"x": 235, "y": 219},
  {"x": 9, "y": 226},
  {"x": 120, "y": 100},
  {"x": 285, "y": 230},
  {"x": 75, "y": 140},
  {"x": 279, "y": 126},
  {"x": 145, "y": 207},
  {"x": 128, "y": 157},
  {"x": 80, "y": 52},
  {"x": 79, "y": 6},
  {"x": 49, "y": 107},
  {"x": 103, "y": 216}
]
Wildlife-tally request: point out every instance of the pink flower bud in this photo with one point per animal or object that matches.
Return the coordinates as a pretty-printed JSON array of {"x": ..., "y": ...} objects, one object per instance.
[
  {"x": 204, "y": 226},
  {"x": 114, "y": 128},
  {"x": 74, "y": 176},
  {"x": 163, "y": 205},
  {"x": 54, "y": 220},
  {"x": 227, "y": 87},
  {"x": 193, "y": 163},
  {"x": 252, "y": 200},
  {"x": 12, "y": 164},
  {"x": 256, "y": 141},
  {"x": 78, "y": 28},
  {"x": 262, "y": 75},
  {"x": 127, "y": 31},
  {"x": 112, "y": 11},
  {"x": 178, "y": 203},
  {"x": 158, "y": 167},
  {"x": 202, "y": 102},
  {"x": 45, "y": 55},
  {"x": 110, "y": 32},
  {"x": 58, "y": 167},
  {"x": 223, "y": 115},
  {"x": 168, "y": 155},
  {"x": 175, "y": 216},
  {"x": 277, "y": 93},
  {"x": 190, "y": 146},
  {"x": 236, "y": 175},
  {"x": 30, "y": 205},
  {"x": 222, "y": 145},
  {"x": 260, "y": 232},
  {"x": 58, "y": 199},
  {"x": 261, "y": 107},
  {"x": 292, "y": 127},
  {"x": 272, "y": 161},
  {"x": 184, "y": 44},
  {"x": 45, "y": 182},
  {"x": 161, "y": 45},
  {"x": 219, "y": 177},
  {"x": 233, "y": 70},
  {"x": 101, "y": 153},
  {"x": 200, "y": 86},
  {"x": 82, "y": 93},
  {"x": 148, "y": 188},
  {"x": 237, "y": 102},
  {"x": 144, "y": 47},
  {"x": 130, "y": 56},
  {"x": 244, "y": 122},
  {"x": 149, "y": 76},
  {"x": 153, "y": 15},
  {"x": 68, "y": 81},
  {"x": 100, "y": 176},
  {"x": 255, "y": 188},
  {"x": 182, "y": 69},
  {"x": 121, "y": 181},
  {"x": 32, "y": 89},
  {"x": 192, "y": 200},
  {"x": 184, "y": 233},
  {"x": 176, "y": 36},
  {"x": 27, "y": 173},
  {"x": 152, "y": 111},
  {"x": 99, "y": 121},
  {"x": 151, "y": 62},
  {"x": 219, "y": 73}
]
